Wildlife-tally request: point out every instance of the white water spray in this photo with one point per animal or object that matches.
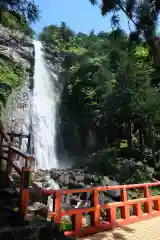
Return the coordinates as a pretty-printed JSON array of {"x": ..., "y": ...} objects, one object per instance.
[{"x": 44, "y": 113}]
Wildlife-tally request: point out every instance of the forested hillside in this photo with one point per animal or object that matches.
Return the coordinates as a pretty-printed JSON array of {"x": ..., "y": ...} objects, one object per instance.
[{"x": 110, "y": 100}]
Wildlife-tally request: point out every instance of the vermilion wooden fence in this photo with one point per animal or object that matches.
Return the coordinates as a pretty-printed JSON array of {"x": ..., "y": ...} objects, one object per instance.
[
  {"x": 150, "y": 203},
  {"x": 23, "y": 172},
  {"x": 97, "y": 225}
]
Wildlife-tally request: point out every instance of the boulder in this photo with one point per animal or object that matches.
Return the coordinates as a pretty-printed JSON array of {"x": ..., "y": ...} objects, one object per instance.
[
  {"x": 39, "y": 229},
  {"x": 36, "y": 191},
  {"x": 114, "y": 194}
]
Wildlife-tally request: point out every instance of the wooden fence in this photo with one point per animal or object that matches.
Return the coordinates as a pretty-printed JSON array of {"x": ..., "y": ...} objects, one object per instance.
[
  {"x": 23, "y": 172},
  {"x": 150, "y": 205}
]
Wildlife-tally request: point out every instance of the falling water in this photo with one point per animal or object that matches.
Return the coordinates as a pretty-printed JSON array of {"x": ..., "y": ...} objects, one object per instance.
[{"x": 44, "y": 113}]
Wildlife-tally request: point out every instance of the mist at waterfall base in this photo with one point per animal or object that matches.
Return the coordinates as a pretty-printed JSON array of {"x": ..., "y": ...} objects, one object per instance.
[{"x": 44, "y": 112}]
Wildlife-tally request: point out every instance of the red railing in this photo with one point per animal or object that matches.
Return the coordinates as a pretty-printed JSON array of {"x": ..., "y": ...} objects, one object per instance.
[
  {"x": 150, "y": 203},
  {"x": 124, "y": 206},
  {"x": 24, "y": 173}
]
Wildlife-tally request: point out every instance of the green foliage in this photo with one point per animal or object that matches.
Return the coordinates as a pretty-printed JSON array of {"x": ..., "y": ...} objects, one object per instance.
[
  {"x": 10, "y": 73},
  {"x": 108, "y": 91},
  {"x": 11, "y": 21},
  {"x": 52, "y": 34},
  {"x": 25, "y": 10},
  {"x": 110, "y": 163},
  {"x": 66, "y": 226},
  {"x": 15, "y": 15},
  {"x": 18, "y": 15},
  {"x": 143, "y": 15},
  {"x": 10, "y": 77}
]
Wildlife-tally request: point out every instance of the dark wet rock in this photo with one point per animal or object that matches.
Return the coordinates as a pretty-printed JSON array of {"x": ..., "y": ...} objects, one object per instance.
[
  {"x": 9, "y": 202},
  {"x": 115, "y": 194},
  {"x": 38, "y": 229},
  {"x": 72, "y": 179},
  {"x": 4, "y": 180},
  {"x": 105, "y": 181},
  {"x": 88, "y": 178},
  {"x": 122, "y": 170},
  {"x": 10, "y": 217},
  {"x": 38, "y": 208},
  {"x": 35, "y": 191}
]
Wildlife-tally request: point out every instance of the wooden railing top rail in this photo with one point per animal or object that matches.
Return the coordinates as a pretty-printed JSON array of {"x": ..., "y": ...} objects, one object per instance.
[
  {"x": 12, "y": 151},
  {"x": 18, "y": 151},
  {"x": 22, "y": 154},
  {"x": 4, "y": 145},
  {"x": 18, "y": 134},
  {"x": 101, "y": 188},
  {"x": 18, "y": 169}
]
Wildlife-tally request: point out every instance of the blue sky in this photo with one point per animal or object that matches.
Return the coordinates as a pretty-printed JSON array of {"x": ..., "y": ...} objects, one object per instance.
[{"x": 79, "y": 15}]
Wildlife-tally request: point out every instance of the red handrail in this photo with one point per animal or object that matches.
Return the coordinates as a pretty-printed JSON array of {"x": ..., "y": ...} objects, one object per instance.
[{"x": 124, "y": 206}]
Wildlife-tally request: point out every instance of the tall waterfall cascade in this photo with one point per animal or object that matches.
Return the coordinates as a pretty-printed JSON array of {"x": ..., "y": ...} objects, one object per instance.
[{"x": 44, "y": 112}]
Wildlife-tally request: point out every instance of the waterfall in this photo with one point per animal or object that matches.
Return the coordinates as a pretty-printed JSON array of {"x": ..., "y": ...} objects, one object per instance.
[{"x": 44, "y": 112}]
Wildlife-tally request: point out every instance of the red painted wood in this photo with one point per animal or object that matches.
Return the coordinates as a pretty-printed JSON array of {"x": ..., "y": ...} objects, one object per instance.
[{"x": 125, "y": 204}]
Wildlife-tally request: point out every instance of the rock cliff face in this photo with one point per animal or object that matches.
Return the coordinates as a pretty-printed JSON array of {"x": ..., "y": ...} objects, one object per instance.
[{"x": 20, "y": 50}]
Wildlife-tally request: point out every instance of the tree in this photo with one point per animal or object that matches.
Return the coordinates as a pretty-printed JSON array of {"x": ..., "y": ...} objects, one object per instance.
[
  {"x": 18, "y": 15},
  {"x": 25, "y": 10},
  {"x": 144, "y": 15}
]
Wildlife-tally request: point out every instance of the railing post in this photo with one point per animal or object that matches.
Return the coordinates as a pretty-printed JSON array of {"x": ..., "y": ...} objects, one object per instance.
[
  {"x": 29, "y": 161},
  {"x": 138, "y": 210},
  {"x": 77, "y": 223},
  {"x": 157, "y": 205},
  {"x": 9, "y": 161},
  {"x": 26, "y": 162},
  {"x": 58, "y": 206},
  {"x": 148, "y": 204},
  {"x": 112, "y": 216},
  {"x": 24, "y": 191},
  {"x": 124, "y": 210},
  {"x": 96, "y": 213}
]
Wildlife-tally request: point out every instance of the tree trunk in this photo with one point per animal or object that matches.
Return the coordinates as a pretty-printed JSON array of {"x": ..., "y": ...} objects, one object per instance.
[
  {"x": 141, "y": 138},
  {"x": 153, "y": 145},
  {"x": 83, "y": 131},
  {"x": 129, "y": 136}
]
